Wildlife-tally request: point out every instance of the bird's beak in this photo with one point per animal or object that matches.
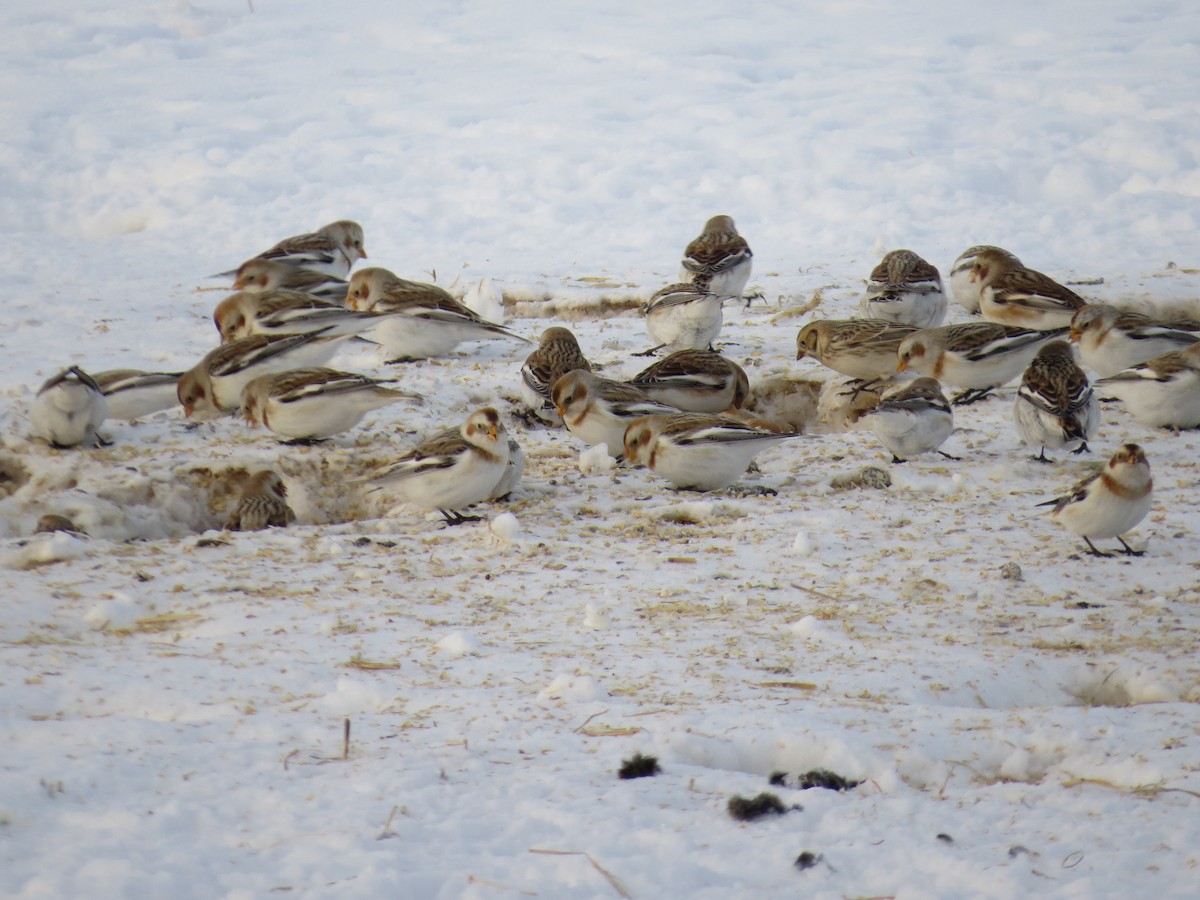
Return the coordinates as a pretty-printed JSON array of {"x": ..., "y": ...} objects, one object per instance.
[
  {"x": 1075, "y": 335},
  {"x": 902, "y": 365},
  {"x": 363, "y": 252},
  {"x": 187, "y": 411},
  {"x": 493, "y": 432},
  {"x": 239, "y": 284}
]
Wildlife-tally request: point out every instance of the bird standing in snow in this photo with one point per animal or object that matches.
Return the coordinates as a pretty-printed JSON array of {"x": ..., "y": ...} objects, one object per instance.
[
  {"x": 1163, "y": 392},
  {"x": 1109, "y": 502},
  {"x": 1011, "y": 294},
  {"x": 262, "y": 276},
  {"x": 700, "y": 381},
  {"x": 965, "y": 288},
  {"x": 557, "y": 354},
  {"x": 720, "y": 256},
  {"x": 131, "y": 394},
  {"x": 913, "y": 418},
  {"x": 684, "y": 316},
  {"x": 905, "y": 289},
  {"x": 597, "y": 410},
  {"x": 68, "y": 409},
  {"x": 332, "y": 249},
  {"x": 1111, "y": 340},
  {"x": 863, "y": 349},
  {"x": 1055, "y": 407},
  {"x": 239, "y": 315},
  {"x": 263, "y": 504}
]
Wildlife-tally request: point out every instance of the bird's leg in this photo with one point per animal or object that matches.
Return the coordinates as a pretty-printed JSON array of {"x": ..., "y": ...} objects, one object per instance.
[
  {"x": 651, "y": 351},
  {"x": 1041, "y": 457},
  {"x": 401, "y": 359},
  {"x": 454, "y": 517},
  {"x": 948, "y": 456},
  {"x": 1129, "y": 551},
  {"x": 897, "y": 460},
  {"x": 302, "y": 442},
  {"x": 1094, "y": 551}
]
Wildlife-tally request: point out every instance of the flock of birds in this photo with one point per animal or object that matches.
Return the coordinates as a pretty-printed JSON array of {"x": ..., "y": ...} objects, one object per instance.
[{"x": 684, "y": 417}]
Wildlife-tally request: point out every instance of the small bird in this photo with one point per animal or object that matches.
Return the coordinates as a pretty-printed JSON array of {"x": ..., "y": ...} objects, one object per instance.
[
  {"x": 262, "y": 276},
  {"x": 131, "y": 394},
  {"x": 977, "y": 356},
  {"x": 905, "y": 289},
  {"x": 1055, "y": 406},
  {"x": 68, "y": 410},
  {"x": 512, "y": 471},
  {"x": 1163, "y": 392},
  {"x": 423, "y": 320},
  {"x": 1011, "y": 294},
  {"x": 684, "y": 316},
  {"x": 1109, "y": 502},
  {"x": 263, "y": 504},
  {"x": 314, "y": 404},
  {"x": 863, "y": 349},
  {"x": 720, "y": 256},
  {"x": 453, "y": 469},
  {"x": 331, "y": 249},
  {"x": 239, "y": 315},
  {"x": 696, "y": 451},
  {"x": 700, "y": 381},
  {"x": 557, "y": 354},
  {"x": 912, "y": 419},
  {"x": 214, "y": 385},
  {"x": 597, "y": 410},
  {"x": 1111, "y": 340},
  {"x": 962, "y": 286}
]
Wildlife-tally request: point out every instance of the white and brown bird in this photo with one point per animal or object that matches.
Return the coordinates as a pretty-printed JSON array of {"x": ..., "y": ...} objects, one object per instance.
[
  {"x": 423, "y": 320},
  {"x": 261, "y": 276},
  {"x": 720, "y": 256},
  {"x": 1055, "y": 407},
  {"x": 513, "y": 471},
  {"x": 863, "y": 349},
  {"x": 1163, "y": 392},
  {"x": 1012, "y": 294},
  {"x": 213, "y": 386},
  {"x": 453, "y": 469},
  {"x": 263, "y": 504},
  {"x": 913, "y": 418},
  {"x": 239, "y": 315},
  {"x": 683, "y": 316},
  {"x": 597, "y": 410},
  {"x": 68, "y": 410},
  {"x": 556, "y": 354},
  {"x": 132, "y": 393},
  {"x": 1111, "y": 340},
  {"x": 332, "y": 249},
  {"x": 905, "y": 289},
  {"x": 964, "y": 288},
  {"x": 975, "y": 356},
  {"x": 316, "y": 403},
  {"x": 696, "y": 451},
  {"x": 1109, "y": 502},
  {"x": 699, "y": 381}
]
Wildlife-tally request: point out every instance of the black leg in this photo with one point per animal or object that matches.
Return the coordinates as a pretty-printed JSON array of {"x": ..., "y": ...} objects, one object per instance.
[
  {"x": 1041, "y": 457},
  {"x": 1129, "y": 551},
  {"x": 1094, "y": 551},
  {"x": 948, "y": 456},
  {"x": 456, "y": 518},
  {"x": 1082, "y": 448},
  {"x": 651, "y": 351},
  {"x": 897, "y": 460}
]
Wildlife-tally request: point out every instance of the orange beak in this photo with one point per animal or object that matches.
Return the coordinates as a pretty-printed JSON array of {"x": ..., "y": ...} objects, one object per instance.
[{"x": 902, "y": 365}]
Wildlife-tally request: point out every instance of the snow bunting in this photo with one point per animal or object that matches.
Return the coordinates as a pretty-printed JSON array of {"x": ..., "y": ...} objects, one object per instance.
[
  {"x": 453, "y": 469},
  {"x": 557, "y": 354},
  {"x": 977, "y": 356},
  {"x": 913, "y": 418},
  {"x": 68, "y": 409},
  {"x": 131, "y": 394},
  {"x": 263, "y": 504},
  {"x": 1109, "y": 502},
  {"x": 261, "y": 276},
  {"x": 423, "y": 319},
  {"x": 700, "y": 381},
  {"x": 864, "y": 349},
  {"x": 214, "y": 385},
  {"x": 332, "y": 249},
  {"x": 1055, "y": 406},
  {"x": 596, "y": 410},
  {"x": 512, "y": 471},
  {"x": 1163, "y": 392},
  {"x": 962, "y": 286},
  {"x": 905, "y": 289},
  {"x": 1011, "y": 294},
  {"x": 684, "y": 316},
  {"x": 316, "y": 403},
  {"x": 720, "y": 256},
  {"x": 1111, "y": 340},
  {"x": 238, "y": 315},
  {"x": 695, "y": 451}
]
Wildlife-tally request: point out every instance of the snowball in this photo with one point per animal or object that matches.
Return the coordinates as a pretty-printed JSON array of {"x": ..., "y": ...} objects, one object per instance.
[
  {"x": 504, "y": 529},
  {"x": 351, "y": 697},
  {"x": 808, "y": 628},
  {"x": 576, "y": 688},
  {"x": 804, "y": 545},
  {"x": 457, "y": 644},
  {"x": 597, "y": 617},
  {"x": 55, "y": 547},
  {"x": 596, "y": 461},
  {"x": 487, "y": 300},
  {"x": 118, "y": 612}
]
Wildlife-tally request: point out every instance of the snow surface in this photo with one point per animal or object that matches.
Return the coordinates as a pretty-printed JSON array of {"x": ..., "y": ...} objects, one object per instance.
[{"x": 175, "y": 698}]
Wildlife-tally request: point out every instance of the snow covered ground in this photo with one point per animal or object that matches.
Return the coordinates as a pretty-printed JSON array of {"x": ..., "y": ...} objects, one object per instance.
[{"x": 175, "y": 699}]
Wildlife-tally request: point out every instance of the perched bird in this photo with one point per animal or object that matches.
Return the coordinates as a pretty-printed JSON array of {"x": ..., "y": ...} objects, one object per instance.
[
  {"x": 696, "y": 451},
  {"x": 700, "y": 381},
  {"x": 1109, "y": 502},
  {"x": 316, "y": 403},
  {"x": 1011, "y": 294},
  {"x": 596, "y": 410},
  {"x": 68, "y": 409},
  {"x": 1055, "y": 406},
  {"x": 239, "y": 315},
  {"x": 423, "y": 320},
  {"x": 977, "y": 356},
  {"x": 261, "y": 276},
  {"x": 1111, "y": 340},
  {"x": 512, "y": 471},
  {"x": 864, "y": 349},
  {"x": 557, "y": 354},
  {"x": 905, "y": 289},
  {"x": 684, "y": 316},
  {"x": 332, "y": 249},
  {"x": 263, "y": 504},
  {"x": 130, "y": 393},
  {"x": 453, "y": 469},
  {"x": 964, "y": 288},
  {"x": 214, "y": 385},
  {"x": 1163, "y": 392},
  {"x": 720, "y": 256},
  {"x": 913, "y": 418}
]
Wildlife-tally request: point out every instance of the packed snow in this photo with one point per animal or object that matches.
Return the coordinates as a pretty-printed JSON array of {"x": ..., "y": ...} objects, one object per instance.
[{"x": 367, "y": 704}]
